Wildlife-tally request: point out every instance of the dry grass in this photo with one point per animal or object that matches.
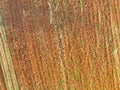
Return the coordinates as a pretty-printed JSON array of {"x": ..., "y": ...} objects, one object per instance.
[{"x": 64, "y": 44}]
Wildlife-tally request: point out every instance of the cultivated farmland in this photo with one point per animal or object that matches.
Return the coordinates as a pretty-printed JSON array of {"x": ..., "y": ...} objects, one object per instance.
[{"x": 60, "y": 44}]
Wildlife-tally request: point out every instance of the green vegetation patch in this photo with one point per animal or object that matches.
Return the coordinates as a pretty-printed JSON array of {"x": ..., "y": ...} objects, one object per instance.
[
  {"x": 62, "y": 81},
  {"x": 82, "y": 4}
]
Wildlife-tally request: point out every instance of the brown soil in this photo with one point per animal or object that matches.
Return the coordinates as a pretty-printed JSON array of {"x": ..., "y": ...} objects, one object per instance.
[{"x": 79, "y": 50}]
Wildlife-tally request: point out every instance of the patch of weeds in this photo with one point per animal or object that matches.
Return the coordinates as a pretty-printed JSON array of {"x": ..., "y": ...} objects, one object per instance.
[
  {"x": 108, "y": 9},
  {"x": 105, "y": 44},
  {"x": 110, "y": 38},
  {"x": 76, "y": 74},
  {"x": 71, "y": 88},
  {"x": 74, "y": 61},
  {"x": 119, "y": 10},
  {"x": 116, "y": 26},
  {"x": 63, "y": 68},
  {"x": 101, "y": 32},
  {"x": 65, "y": 5},
  {"x": 94, "y": 55},
  {"x": 78, "y": 69},
  {"x": 115, "y": 51},
  {"x": 82, "y": 43},
  {"x": 60, "y": 88},
  {"x": 75, "y": 51},
  {"x": 99, "y": 26},
  {"x": 82, "y": 4},
  {"x": 1, "y": 23},
  {"x": 0, "y": 58},
  {"x": 82, "y": 20},
  {"x": 62, "y": 81},
  {"x": 71, "y": 62},
  {"x": 26, "y": 11}
]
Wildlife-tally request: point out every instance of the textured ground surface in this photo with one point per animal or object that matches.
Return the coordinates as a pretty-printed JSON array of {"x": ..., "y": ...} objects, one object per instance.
[{"x": 60, "y": 44}]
